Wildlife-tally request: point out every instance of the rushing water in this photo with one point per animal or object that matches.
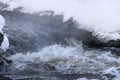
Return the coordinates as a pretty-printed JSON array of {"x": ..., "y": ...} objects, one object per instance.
[{"x": 46, "y": 48}]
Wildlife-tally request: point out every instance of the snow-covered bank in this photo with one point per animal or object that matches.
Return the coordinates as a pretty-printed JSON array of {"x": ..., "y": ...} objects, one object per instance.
[
  {"x": 101, "y": 16},
  {"x": 2, "y": 23}
]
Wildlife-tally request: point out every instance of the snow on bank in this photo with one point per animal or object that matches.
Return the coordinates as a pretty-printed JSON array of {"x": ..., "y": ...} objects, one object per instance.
[
  {"x": 105, "y": 36},
  {"x": 2, "y": 23},
  {"x": 5, "y": 43},
  {"x": 100, "y": 16}
]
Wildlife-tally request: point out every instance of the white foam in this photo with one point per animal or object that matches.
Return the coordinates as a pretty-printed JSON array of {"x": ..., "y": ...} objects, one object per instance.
[
  {"x": 82, "y": 79},
  {"x": 5, "y": 44},
  {"x": 113, "y": 71},
  {"x": 65, "y": 58}
]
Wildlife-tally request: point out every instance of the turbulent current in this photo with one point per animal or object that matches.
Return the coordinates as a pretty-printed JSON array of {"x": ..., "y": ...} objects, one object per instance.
[{"x": 44, "y": 47}]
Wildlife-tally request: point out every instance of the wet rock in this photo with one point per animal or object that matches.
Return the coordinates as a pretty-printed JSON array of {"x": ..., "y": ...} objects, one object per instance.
[
  {"x": 5, "y": 78},
  {"x": 1, "y": 38},
  {"x": 113, "y": 43},
  {"x": 4, "y": 62},
  {"x": 93, "y": 41},
  {"x": 114, "y": 50}
]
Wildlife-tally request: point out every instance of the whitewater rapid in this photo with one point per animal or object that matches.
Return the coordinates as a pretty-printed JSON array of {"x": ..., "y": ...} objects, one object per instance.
[
  {"x": 68, "y": 60},
  {"x": 41, "y": 43},
  {"x": 53, "y": 47}
]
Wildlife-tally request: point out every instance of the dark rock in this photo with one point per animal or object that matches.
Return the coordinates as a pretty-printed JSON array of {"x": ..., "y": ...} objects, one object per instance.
[
  {"x": 5, "y": 78},
  {"x": 115, "y": 51},
  {"x": 4, "y": 62},
  {"x": 8, "y": 61},
  {"x": 93, "y": 41},
  {"x": 113, "y": 43},
  {"x": 1, "y": 38}
]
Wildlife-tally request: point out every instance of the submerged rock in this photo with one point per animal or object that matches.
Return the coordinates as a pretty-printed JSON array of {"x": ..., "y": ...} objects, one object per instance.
[
  {"x": 1, "y": 38},
  {"x": 4, "y": 61},
  {"x": 5, "y": 78}
]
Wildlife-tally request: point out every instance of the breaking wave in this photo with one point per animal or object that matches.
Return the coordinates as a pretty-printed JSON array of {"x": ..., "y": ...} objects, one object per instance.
[{"x": 101, "y": 16}]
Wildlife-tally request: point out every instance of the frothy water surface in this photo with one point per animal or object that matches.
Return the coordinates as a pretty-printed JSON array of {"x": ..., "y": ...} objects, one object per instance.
[
  {"x": 66, "y": 60},
  {"x": 46, "y": 47}
]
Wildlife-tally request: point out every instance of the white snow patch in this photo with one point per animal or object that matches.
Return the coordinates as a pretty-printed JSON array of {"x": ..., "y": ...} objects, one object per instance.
[{"x": 2, "y": 23}]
